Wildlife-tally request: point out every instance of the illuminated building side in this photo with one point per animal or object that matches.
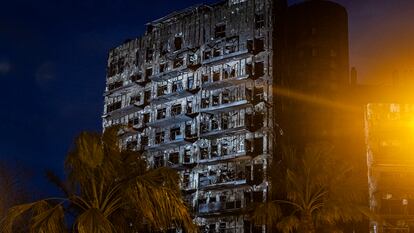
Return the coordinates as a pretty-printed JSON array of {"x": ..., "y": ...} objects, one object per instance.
[{"x": 390, "y": 144}]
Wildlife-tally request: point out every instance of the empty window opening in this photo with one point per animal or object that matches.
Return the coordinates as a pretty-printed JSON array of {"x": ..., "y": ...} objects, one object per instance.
[
  {"x": 161, "y": 113},
  {"x": 148, "y": 73},
  {"x": 162, "y": 90},
  {"x": 176, "y": 110},
  {"x": 115, "y": 85},
  {"x": 175, "y": 133},
  {"x": 174, "y": 158},
  {"x": 259, "y": 21},
  {"x": 220, "y": 31},
  {"x": 178, "y": 43},
  {"x": 114, "y": 106},
  {"x": 149, "y": 55},
  {"x": 163, "y": 67},
  {"x": 135, "y": 99},
  {"x": 159, "y": 137},
  {"x": 177, "y": 86},
  {"x": 146, "y": 118}
]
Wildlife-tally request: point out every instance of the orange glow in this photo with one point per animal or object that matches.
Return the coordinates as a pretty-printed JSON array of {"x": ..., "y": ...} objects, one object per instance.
[{"x": 313, "y": 99}]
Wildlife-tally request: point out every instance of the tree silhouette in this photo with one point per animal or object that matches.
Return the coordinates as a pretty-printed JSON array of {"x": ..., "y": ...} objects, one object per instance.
[
  {"x": 107, "y": 190},
  {"x": 312, "y": 192}
]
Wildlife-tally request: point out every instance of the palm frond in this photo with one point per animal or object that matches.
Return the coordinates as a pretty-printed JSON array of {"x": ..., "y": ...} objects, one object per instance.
[
  {"x": 43, "y": 216},
  {"x": 93, "y": 221},
  {"x": 288, "y": 224},
  {"x": 268, "y": 213},
  {"x": 162, "y": 207},
  {"x": 13, "y": 215},
  {"x": 49, "y": 220}
]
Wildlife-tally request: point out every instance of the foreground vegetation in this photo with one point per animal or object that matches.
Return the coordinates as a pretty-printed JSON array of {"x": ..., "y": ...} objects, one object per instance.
[
  {"x": 107, "y": 190},
  {"x": 312, "y": 191}
]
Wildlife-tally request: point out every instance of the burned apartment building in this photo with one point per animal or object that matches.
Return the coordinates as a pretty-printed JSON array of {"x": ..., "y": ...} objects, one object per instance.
[{"x": 195, "y": 94}]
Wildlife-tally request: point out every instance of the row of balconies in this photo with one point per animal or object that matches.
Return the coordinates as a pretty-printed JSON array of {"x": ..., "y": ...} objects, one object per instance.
[
  {"x": 226, "y": 100},
  {"x": 214, "y": 205},
  {"x": 206, "y": 130},
  {"x": 215, "y": 104},
  {"x": 220, "y": 79},
  {"x": 168, "y": 70},
  {"x": 225, "y": 176},
  {"x": 215, "y": 154}
]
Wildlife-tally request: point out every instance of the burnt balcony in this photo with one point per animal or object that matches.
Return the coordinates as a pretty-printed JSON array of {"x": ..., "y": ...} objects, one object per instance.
[
  {"x": 172, "y": 142},
  {"x": 177, "y": 94},
  {"x": 255, "y": 46},
  {"x": 226, "y": 106},
  {"x": 173, "y": 118},
  {"x": 253, "y": 148},
  {"x": 128, "y": 131},
  {"x": 140, "y": 79},
  {"x": 226, "y": 157},
  {"x": 223, "y": 132},
  {"x": 119, "y": 89},
  {"x": 136, "y": 125},
  {"x": 194, "y": 66},
  {"x": 224, "y": 82},
  {"x": 253, "y": 122},
  {"x": 223, "y": 181},
  {"x": 123, "y": 111},
  {"x": 236, "y": 55},
  {"x": 255, "y": 71},
  {"x": 164, "y": 76},
  {"x": 218, "y": 208}
]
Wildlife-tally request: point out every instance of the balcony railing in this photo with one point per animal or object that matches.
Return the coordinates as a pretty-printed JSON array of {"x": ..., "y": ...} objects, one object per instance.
[
  {"x": 170, "y": 119},
  {"x": 175, "y": 95},
  {"x": 240, "y": 103},
  {"x": 123, "y": 111},
  {"x": 177, "y": 141},
  {"x": 242, "y": 53},
  {"x": 217, "y": 208},
  {"x": 221, "y": 182},
  {"x": 252, "y": 149},
  {"x": 223, "y": 132},
  {"x": 223, "y": 83},
  {"x": 160, "y": 77}
]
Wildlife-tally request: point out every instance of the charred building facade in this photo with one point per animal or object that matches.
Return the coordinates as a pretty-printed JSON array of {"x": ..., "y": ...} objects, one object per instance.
[{"x": 195, "y": 94}]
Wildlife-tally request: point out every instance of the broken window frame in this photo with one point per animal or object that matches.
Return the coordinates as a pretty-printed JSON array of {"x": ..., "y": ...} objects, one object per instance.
[{"x": 161, "y": 113}]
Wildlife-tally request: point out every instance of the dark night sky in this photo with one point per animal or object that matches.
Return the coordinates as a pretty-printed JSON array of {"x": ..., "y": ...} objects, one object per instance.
[{"x": 53, "y": 57}]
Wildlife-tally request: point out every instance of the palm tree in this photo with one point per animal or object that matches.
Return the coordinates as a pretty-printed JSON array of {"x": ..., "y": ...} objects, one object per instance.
[
  {"x": 108, "y": 190},
  {"x": 312, "y": 192}
]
